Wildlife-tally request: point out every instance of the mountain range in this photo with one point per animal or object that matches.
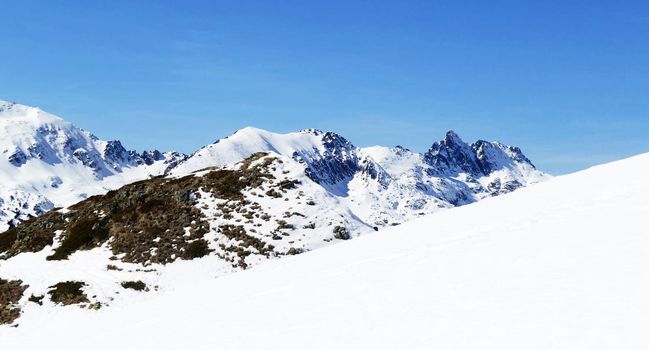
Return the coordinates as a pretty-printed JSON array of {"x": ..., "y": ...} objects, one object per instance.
[
  {"x": 47, "y": 162},
  {"x": 80, "y": 210}
]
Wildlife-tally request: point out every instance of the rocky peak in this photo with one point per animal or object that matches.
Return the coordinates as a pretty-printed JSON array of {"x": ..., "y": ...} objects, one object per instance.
[
  {"x": 452, "y": 155},
  {"x": 337, "y": 161},
  {"x": 336, "y": 143},
  {"x": 150, "y": 157},
  {"x": 481, "y": 158},
  {"x": 452, "y": 138},
  {"x": 492, "y": 156},
  {"x": 116, "y": 153}
]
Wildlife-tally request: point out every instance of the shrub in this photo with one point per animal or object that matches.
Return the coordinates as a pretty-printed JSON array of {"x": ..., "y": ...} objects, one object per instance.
[
  {"x": 273, "y": 193},
  {"x": 135, "y": 285},
  {"x": 196, "y": 249},
  {"x": 288, "y": 184},
  {"x": 36, "y": 299},
  {"x": 68, "y": 293},
  {"x": 110, "y": 267}
]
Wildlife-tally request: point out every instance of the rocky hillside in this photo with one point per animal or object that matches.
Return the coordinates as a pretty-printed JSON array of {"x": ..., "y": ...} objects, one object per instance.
[{"x": 231, "y": 218}]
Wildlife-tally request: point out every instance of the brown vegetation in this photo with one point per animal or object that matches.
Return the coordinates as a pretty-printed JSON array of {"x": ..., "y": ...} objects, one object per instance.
[
  {"x": 146, "y": 221},
  {"x": 10, "y": 294},
  {"x": 68, "y": 293},
  {"x": 135, "y": 285}
]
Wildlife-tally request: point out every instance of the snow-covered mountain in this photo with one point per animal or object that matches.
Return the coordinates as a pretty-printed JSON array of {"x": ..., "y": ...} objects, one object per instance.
[
  {"x": 249, "y": 198},
  {"x": 384, "y": 186},
  {"x": 46, "y": 162},
  {"x": 556, "y": 265}
]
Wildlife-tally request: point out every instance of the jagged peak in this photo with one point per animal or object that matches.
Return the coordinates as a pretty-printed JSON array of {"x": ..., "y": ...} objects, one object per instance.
[
  {"x": 336, "y": 140},
  {"x": 452, "y": 155},
  {"x": 451, "y": 141},
  {"x": 451, "y": 137}
]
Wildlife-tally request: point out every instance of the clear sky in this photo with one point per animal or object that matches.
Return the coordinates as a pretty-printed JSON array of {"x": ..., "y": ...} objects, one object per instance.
[{"x": 567, "y": 81}]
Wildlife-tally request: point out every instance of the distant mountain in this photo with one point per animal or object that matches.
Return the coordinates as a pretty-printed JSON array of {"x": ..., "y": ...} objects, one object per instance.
[
  {"x": 383, "y": 186},
  {"x": 245, "y": 199},
  {"x": 47, "y": 162}
]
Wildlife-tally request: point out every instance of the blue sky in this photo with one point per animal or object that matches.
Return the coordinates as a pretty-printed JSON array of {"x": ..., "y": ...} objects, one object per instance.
[{"x": 567, "y": 81}]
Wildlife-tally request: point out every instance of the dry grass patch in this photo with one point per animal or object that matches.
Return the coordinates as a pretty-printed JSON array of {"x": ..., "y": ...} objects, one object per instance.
[
  {"x": 68, "y": 293},
  {"x": 135, "y": 285},
  {"x": 10, "y": 294},
  {"x": 144, "y": 221}
]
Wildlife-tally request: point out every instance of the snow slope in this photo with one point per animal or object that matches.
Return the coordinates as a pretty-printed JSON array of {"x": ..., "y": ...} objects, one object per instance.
[{"x": 557, "y": 265}]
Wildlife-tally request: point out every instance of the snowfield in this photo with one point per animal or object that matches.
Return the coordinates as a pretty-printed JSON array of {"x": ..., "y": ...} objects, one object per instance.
[{"x": 557, "y": 265}]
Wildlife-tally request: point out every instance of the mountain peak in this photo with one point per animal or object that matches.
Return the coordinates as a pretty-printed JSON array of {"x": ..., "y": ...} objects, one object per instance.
[
  {"x": 452, "y": 156},
  {"x": 46, "y": 161},
  {"x": 18, "y": 114},
  {"x": 249, "y": 130},
  {"x": 452, "y": 137}
]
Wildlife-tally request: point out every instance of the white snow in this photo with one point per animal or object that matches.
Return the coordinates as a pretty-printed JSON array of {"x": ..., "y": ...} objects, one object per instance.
[{"x": 557, "y": 265}]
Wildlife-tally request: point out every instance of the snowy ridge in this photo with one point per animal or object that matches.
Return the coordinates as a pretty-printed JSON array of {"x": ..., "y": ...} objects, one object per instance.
[
  {"x": 384, "y": 186},
  {"x": 555, "y": 265},
  {"x": 328, "y": 157}
]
